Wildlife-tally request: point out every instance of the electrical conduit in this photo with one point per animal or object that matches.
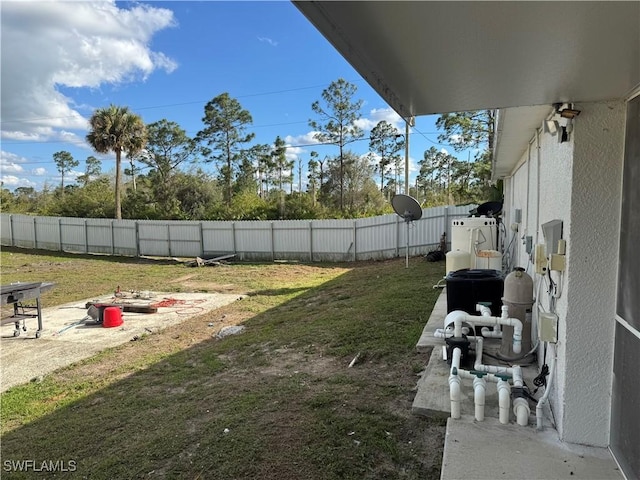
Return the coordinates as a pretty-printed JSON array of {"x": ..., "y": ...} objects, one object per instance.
[{"x": 547, "y": 389}]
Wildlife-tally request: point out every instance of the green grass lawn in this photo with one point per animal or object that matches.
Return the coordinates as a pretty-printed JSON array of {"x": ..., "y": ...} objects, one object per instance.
[{"x": 278, "y": 401}]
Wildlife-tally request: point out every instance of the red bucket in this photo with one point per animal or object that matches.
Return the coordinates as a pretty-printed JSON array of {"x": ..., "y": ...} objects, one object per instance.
[{"x": 112, "y": 317}]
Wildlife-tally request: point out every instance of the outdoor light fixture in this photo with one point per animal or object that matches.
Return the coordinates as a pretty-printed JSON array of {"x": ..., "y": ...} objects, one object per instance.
[
  {"x": 551, "y": 126},
  {"x": 566, "y": 110}
]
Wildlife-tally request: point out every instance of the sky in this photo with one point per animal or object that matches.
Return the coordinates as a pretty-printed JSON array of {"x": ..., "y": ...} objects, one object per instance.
[{"x": 60, "y": 61}]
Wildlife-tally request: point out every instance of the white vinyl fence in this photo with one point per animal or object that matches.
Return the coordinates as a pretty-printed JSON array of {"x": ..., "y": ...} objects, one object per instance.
[{"x": 370, "y": 238}]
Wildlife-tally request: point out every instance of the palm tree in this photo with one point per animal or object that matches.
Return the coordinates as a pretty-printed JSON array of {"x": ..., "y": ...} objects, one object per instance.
[{"x": 117, "y": 129}]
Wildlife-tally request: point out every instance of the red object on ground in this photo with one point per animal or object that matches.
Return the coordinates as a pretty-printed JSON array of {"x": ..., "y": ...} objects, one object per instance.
[{"x": 112, "y": 317}]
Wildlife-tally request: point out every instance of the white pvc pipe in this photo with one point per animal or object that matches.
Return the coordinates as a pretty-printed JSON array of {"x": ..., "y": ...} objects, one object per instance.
[
  {"x": 454, "y": 383},
  {"x": 504, "y": 401},
  {"x": 547, "y": 389},
  {"x": 457, "y": 317},
  {"x": 448, "y": 332},
  {"x": 520, "y": 405},
  {"x": 479, "y": 388},
  {"x": 495, "y": 333},
  {"x": 478, "y": 365},
  {"x": 504, "y": 395}
]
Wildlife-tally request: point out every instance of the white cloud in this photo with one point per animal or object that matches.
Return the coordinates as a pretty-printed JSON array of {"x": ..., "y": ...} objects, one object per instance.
[
  {"x": 70, "y": 44},
  {"x": 40, "y": 171},
  {"x": 13, "y": 181},
  {"x": 302, "y": 140},
  {"x": 268, "y": 40},
  {"x": 376, "y": 115},
  {"x": 10, "y": 162}
]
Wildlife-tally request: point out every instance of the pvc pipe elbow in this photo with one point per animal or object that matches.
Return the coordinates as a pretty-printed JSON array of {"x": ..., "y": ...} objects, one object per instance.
[
  {"x": 455, "y": 360},
  {"x": 504, "y": 401},
  {"x": 484, "y": 310},
  {"x": 479, "y": 389},
  {"x": 495, "y": 333},
  {"x": 456, "y": 317},
  {"x": 521, "y": 411},
  {"x": 440, "y": 333}
]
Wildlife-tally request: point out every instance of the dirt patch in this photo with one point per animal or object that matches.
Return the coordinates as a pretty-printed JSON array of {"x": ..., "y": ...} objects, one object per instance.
[{"x": 211, "y": 287}]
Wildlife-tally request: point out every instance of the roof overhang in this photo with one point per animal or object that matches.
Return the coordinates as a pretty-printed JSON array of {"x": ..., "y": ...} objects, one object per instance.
[{"x": 425, "y": 57}]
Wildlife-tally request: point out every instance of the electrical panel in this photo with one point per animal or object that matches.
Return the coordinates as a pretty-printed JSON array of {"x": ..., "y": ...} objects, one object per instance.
[
  {"x": 548, "y": 327},
  {"x": 540, "y": 259},
  {"x": 557, "y": 262},
  {"x": 552, "y": 232},
  {"x": 518, "y": 215}
]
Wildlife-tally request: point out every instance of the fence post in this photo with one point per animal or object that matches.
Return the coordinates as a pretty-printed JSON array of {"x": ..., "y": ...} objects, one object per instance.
[
  {"x": 447, "y": 227},
  {"x": 60, "y": 234},
  {"x": 273, "y": 246},
  {"x": 169, "y": 239},
  {"x": 138, "y": 252},
  {"x": 11, "y": 230},
  {"x": 355, "y": 240},
  {"x": 86, "y": 237},
  {"x": 233, "y": 237},
  {"x": 201, "y": 239},
  {"x": 35, "y": 234},
  {"x": 397, "y": 235},
  {"x": 311, "y": 241},
  {"x": 113, "y": 249}
]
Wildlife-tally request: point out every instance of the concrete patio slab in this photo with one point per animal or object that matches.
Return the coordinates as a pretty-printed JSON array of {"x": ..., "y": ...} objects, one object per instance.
[{"x": 67, "y": 339}]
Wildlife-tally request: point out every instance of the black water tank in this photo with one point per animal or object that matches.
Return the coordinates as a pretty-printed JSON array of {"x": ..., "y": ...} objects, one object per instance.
[{"x": 466, "y": 288}]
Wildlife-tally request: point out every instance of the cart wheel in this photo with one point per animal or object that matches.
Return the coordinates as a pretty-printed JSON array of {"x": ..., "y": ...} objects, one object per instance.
[
  {"x": 16, "y": 332},
  {"x": 38, "y": 333}
]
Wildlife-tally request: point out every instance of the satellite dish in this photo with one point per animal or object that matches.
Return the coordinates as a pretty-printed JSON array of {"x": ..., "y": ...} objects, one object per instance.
[
  {"x": 489, "y": 209},
  {"x": 409, "y": 209}
]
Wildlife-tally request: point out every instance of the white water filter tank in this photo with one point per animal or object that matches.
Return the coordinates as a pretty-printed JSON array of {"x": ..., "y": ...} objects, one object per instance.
[{"x": 457, "y": 260}]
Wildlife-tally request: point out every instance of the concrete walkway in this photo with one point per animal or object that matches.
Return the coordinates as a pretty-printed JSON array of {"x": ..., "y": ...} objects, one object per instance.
[{"x": 488, "y": 450}]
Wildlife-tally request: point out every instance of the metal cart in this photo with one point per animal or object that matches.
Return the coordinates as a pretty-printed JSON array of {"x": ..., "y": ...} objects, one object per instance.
[{"x": 19, "y": 293}]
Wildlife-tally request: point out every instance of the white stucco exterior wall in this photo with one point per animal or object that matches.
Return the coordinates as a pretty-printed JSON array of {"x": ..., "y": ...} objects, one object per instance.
[
  {"x": 592, "y": 272},
  {"x": 578, "y": 182}
]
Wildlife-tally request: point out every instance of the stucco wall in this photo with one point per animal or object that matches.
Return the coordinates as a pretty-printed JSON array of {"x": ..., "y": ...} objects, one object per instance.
[
  {"x": 579, "y": 183},
  {"x": 592, "y": 268}
]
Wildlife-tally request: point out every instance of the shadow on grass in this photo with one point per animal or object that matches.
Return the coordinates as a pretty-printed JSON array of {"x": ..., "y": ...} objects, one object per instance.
[{"x": 277, "y": 402}]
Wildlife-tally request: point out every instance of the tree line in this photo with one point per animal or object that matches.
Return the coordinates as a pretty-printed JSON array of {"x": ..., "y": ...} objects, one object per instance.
[{"x": 256, "y": 181}]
